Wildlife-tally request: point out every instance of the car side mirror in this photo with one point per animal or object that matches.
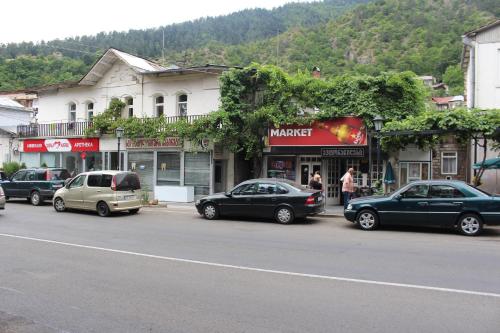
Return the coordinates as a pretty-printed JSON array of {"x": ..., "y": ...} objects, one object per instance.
[
  {"x": 66, "y": 182},
  {"x": 228, "y": 194},
  {"x": 398, "y": 197}
]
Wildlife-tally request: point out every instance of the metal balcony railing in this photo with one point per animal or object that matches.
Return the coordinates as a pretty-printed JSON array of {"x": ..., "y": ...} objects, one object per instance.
[{"x": 79, "y": 128}]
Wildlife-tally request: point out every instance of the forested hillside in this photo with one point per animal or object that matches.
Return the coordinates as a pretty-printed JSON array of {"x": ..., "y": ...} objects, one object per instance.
[{"x": 339, "y": 36}]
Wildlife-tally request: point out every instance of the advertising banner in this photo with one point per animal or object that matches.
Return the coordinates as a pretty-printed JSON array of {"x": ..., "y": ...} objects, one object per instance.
[
  {"x": 61, "y": 145},
  {"x": 345, "y": 131}
]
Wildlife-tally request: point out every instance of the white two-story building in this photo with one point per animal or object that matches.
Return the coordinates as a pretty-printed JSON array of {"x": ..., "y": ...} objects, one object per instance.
[
  {"x": 171, "y": 169},
  {"x": 481, "y": 62}
]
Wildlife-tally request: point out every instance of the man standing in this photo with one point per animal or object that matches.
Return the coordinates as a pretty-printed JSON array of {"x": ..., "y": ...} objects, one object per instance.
[{"x": 347, "y": 186}]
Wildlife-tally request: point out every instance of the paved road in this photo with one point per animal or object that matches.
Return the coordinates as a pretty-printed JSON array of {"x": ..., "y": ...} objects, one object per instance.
[{"x": 76, "y": 272}]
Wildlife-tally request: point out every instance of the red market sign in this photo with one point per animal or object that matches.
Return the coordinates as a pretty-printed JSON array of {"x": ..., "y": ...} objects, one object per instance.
[
  {"x": 346, "y": 131},
  {"x": 60, "y": 145},
  {"x": 153, "y": 143}
]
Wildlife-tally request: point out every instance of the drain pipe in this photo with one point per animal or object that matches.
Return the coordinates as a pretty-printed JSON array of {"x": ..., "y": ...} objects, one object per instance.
[{"x": 471, "y": 91}]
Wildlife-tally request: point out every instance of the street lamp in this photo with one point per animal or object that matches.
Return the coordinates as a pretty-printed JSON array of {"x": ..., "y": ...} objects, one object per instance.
[
  {"x": 378, "y": 122},
  {"x": 119, "y": 134}
]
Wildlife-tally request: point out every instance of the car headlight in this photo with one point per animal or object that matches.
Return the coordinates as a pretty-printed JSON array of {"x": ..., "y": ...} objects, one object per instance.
[{"x": 349, "y": 207}]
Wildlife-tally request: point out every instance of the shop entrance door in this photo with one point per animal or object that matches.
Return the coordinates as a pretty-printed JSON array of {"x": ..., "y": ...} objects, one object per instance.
[
  {"x": 333, "y": 184},
  {"x": 309, "y": 165},
  {"x": 220, "y": 176}
]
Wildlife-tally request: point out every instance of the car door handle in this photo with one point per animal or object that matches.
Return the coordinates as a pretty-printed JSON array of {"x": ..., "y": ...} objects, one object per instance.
[
  {"x": 423, "y": 204},
  {"x": 458, "y": 203},
  {"x": 274, "y": 199},
  {"x": 98, "y": 191}
]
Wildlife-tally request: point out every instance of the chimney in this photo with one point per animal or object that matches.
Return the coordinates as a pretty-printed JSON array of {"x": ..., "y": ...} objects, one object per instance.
[{"x": 316, "y": 72}]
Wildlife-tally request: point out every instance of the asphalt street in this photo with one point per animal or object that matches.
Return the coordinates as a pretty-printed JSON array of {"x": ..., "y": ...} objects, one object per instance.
[{"x": 169, "y": 270}]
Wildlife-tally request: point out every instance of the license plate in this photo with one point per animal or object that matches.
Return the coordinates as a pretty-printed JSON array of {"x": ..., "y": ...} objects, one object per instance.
[{"x": 129, "y": 197}]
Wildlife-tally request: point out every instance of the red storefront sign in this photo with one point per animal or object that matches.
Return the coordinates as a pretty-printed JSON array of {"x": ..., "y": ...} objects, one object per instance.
[
  {"x": 346, "y": 131},
  {"x": 61, "y": 145}
]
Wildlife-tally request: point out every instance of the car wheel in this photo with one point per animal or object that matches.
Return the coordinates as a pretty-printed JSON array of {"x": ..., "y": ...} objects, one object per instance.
[
  {"x": 284, "y": 215},
  {"x": 133, "y": 211},
  {"x": 103, "y": 209},
  {"x": 210, "y": 211},
  {"x": 59, "y": 205},
  {"x": 35, "y": 198},
  {"x": 470, "y": 225},
  {"x": 367, "y": 220}
]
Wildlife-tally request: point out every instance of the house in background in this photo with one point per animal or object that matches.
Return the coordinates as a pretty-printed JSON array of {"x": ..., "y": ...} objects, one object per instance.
[
  {"x": 448, "y": 102},
  {"x": 12, "y": 114},
  {"x": 481, "y": 64}
]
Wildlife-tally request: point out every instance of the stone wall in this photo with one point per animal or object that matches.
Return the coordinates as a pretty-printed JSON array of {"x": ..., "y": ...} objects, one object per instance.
[{"x": 449, "y": 144}]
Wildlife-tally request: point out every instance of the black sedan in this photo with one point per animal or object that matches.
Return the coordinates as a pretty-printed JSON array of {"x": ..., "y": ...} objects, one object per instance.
[
  {"x": 447, "y": 204},
  {"x": 265, "y": 198}
]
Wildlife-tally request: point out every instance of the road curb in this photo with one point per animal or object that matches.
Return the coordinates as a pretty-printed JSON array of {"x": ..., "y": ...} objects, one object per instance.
[{"x": 187, "y": 208}]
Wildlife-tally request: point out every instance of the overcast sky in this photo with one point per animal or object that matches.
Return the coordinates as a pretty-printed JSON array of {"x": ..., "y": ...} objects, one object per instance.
[{"x": 35, "y": 20}]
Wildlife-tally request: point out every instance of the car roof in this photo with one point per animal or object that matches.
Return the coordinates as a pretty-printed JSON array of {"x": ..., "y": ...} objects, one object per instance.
[{"x": 280, "y": 180}]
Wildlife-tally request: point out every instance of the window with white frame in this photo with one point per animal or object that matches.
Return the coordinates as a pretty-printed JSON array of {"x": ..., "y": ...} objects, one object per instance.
[
  {"x": 449, "y": 162},
  {"x": 182, "y": 105},
  {"x": 159, "y": 106},
  {"x": 413, "y": 171},
  {"x": 90, "y": 111},
  {"x": 130, "y": 106},
  {"x": 72, "y": 112}
]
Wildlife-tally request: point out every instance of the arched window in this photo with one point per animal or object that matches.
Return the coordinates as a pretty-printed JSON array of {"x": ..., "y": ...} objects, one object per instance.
[
  {"x": 130, "y": 106},
  {"x": 159, "y": 105},
  {"x": 72, "y": 112},
  {"x": 90, "y": 111},
  {"x": 182, "y": 105}
]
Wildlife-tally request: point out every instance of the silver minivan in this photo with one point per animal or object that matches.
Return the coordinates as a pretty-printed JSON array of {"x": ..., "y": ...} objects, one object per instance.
[{"x": 104, "y": 191}]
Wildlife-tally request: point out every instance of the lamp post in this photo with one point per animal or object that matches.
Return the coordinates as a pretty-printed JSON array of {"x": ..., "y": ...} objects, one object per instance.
[
  {"x": 119, "y": 134},
  {"x": 378, "y": 122}
]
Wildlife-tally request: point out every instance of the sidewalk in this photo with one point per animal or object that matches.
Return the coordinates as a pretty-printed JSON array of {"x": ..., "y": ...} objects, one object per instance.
[{"x": 330, "y": 211}]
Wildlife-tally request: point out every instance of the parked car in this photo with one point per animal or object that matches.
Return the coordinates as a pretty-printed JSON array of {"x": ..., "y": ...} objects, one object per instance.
[
  {"x": 266, "y": 198},
  {"x": 3, "y": 177},
  {"x": 2, "y": 198},
  {"x": 37, "y": 185},
  {"x": 448, "y": 204},
  {"x": 101, "y": 191}
]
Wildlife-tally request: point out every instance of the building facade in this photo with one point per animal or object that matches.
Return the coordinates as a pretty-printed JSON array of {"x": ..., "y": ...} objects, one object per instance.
[
  {"x": 481, "y": 64},
  {"x": 169, "y": 169}
]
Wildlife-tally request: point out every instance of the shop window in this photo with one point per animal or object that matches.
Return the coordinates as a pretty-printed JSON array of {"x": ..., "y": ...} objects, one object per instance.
[
  {"x": 168, "y": 170},
  {"x": 197, "y": 172},
  {"x": 182, "y": 105},
  {"x": 93, "y": 161},
  {"x": 159, "y": 106},
  {"x": 449, "y": 163},
  {"x": 50, "y": 160},
  {"x": 281, "y": 167},
  {"x": 143, "y": 164}
]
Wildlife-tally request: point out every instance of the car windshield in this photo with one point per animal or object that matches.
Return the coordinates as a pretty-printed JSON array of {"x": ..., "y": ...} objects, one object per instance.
[{"x": 472, "y": 188}]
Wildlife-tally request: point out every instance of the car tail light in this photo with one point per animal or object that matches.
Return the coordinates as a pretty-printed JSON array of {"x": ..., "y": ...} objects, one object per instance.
[
  {"x": 48, "y": 175},
  {"x": 113, "y": 183},
  {"x": 310, "y": 200},
  {"x": 1, "y": 192}
]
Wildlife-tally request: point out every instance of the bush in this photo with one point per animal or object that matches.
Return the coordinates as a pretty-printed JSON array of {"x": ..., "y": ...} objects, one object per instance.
[{"x": 11, "y": 168}]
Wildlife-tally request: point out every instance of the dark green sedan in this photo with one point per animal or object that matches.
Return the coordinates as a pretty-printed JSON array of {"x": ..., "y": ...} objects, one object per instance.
[{"x": 446, "y": 204}]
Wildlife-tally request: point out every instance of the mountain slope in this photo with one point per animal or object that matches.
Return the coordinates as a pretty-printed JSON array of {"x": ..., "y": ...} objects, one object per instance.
[{"x": 418, "y": 35}]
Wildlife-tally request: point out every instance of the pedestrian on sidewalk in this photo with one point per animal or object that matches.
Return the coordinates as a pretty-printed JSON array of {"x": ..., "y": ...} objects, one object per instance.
[
  {"x": 347, "y": 186},
  {"x": 315, "y": 182}
]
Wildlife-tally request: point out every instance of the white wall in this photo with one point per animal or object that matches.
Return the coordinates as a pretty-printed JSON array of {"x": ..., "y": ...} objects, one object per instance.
[
  {"x": 487, "y": 87},
  {"x": 121, "y": 81}
]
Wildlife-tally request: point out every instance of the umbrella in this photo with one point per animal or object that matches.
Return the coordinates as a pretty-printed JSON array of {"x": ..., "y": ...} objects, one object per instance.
[
  {"x": 491, "y": 163},
  {"x": 389, "y": 174}
]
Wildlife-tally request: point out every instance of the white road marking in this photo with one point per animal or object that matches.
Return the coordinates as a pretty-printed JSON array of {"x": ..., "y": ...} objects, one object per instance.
[{"x": 255, "y": 269}]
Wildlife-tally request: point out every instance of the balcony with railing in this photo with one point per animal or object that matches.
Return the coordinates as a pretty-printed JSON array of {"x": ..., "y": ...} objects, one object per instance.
[{"x": 79, "y": 128}]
